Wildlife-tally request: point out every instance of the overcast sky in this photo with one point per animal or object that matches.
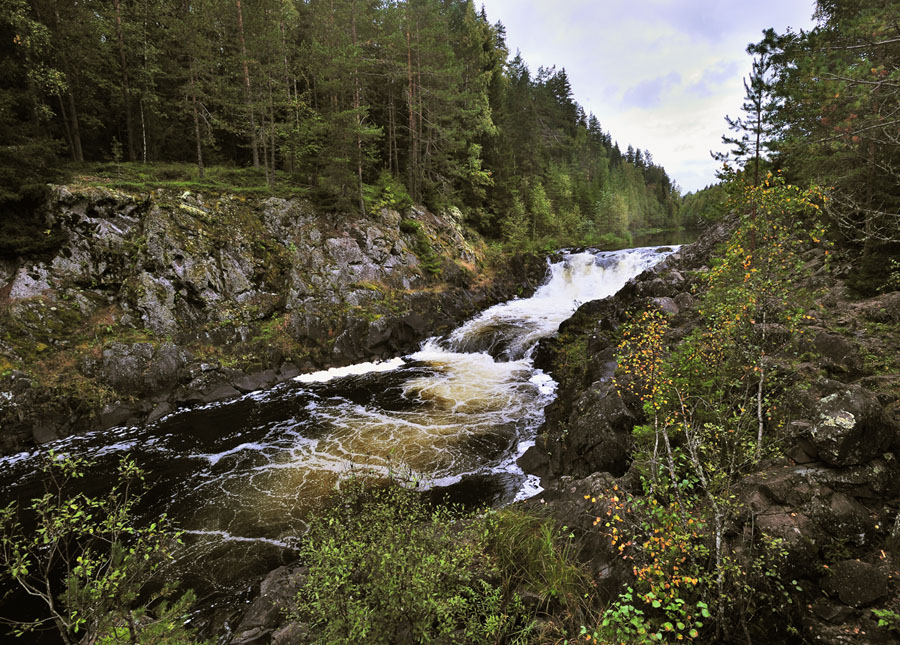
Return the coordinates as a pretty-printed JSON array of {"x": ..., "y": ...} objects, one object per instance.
[{"x": 659, "y": 74}]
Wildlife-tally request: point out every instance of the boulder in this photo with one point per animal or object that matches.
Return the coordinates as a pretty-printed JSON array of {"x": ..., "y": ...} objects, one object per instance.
[
  {"x": 664, "y": 305},
  {"x": 256, "y": 381},
  {"x": 684, "y": 300},
  {"x": 856, "y": 583},
  {"x": 838, "y": 354},
  {"x": 138, "y": 369},
  {"x": 266, "y": 614},
  {"x": 850, "y": 428},
  {"x": 218, "y": 392}
]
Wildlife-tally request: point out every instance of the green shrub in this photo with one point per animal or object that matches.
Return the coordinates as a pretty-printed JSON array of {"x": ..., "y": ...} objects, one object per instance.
[
  {"x": 89, "y": 565},
  {"x": 535, "y": 555},
  {"x": 410, "y": 226},
  {"x": 387, "y": 192},
  {"x": 430, "y": 259},
  {"x": 384, "y": 568}
]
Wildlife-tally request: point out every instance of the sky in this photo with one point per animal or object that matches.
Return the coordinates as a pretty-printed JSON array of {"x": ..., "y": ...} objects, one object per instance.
[{"x": 659, "y": 74}]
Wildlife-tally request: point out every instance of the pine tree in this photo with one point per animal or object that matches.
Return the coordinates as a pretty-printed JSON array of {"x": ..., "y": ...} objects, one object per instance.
[{"x": 756, "y": 129}]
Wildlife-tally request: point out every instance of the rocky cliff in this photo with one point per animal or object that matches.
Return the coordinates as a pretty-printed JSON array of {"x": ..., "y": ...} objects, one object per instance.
[
  {"x": 158, "y": 300},
  {"x": 832, "y": 496}
]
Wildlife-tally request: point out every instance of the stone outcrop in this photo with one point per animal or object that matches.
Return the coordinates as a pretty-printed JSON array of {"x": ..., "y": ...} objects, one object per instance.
[
  {"x": 832, "y": 500},
  {"x": 167, "y": 299}
]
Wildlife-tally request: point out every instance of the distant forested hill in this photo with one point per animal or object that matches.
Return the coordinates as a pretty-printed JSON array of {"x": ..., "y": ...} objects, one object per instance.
[{"x": 363, "y": 103}]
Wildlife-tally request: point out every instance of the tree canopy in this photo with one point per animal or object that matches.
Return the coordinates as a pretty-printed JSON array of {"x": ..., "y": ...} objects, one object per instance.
[{"x": 344, "y": 98}]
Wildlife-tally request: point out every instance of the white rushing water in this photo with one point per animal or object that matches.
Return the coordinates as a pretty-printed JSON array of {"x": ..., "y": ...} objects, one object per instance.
[{"x": 457, "y": 413}]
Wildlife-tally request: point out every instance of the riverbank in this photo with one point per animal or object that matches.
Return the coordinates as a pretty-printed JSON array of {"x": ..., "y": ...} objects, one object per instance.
[
  {"x": 241, "y": 477},
  {"x": 808, "y": 521},
  {"x": 163, "y": 299}
]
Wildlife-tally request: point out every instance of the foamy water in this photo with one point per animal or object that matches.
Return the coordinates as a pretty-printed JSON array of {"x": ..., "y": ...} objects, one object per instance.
[{"x": 241, "y": 476}]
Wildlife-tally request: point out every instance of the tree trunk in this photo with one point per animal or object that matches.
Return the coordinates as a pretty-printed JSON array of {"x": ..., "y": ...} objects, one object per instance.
[
  {"x": 392, "y": 132},
  {"x": 356, "y": 109},
  {"x": 196, "y": 121},
  {"x": 73, "y": 112},
  {"x": 65, "y": 120},
  {"x": 420, "y": 106},
  {"x": 254, "y": 146},
  {"x": 143, "y": 133},
  {"x": 413, "y": 151},
  {"x": 129, "y": 124},
  {"x": 76, "y": 131},
  {"x": 265, "y": 150},
  {"x": 290, "y": 99}
]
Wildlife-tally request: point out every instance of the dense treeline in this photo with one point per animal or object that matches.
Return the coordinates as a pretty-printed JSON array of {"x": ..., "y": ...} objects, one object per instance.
[
  {"x": 702, "y": 206},
  {"x": 365, "y": 102}
]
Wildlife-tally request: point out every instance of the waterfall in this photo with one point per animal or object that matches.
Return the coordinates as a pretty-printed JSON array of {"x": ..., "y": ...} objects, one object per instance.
[{"x": 454, "y": 415}]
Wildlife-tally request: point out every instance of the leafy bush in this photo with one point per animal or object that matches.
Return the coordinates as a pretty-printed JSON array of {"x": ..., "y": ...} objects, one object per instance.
[
  {"x": 384, "y": 568},
  {"x": 387, "y": 192},
  {"x": 88, "y": 564}
]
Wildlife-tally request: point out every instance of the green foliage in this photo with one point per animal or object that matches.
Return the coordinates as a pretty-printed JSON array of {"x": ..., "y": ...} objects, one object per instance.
[
  {"x": 384, "y": 568},
  {"x": 429, "y": 258},
  {"x": 838, "y": 87},
  {"x": 887, "y": 618},
  {"x": 87, "y": 562},
  {"x": 709, "y": 405},
  {"x": 535, "y": 555},
  {"x": 893, "y": 280},
  {"x": 876, "y": 271},
  {"x": 387, "y": 192},
  {"x": 703, "y": 206}
]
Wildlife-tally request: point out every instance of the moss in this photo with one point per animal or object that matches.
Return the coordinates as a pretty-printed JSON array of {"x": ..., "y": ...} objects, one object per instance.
[
  {"x": 423, "y": 248},
  {"x": 369, "y": 286},
  {"x": 7, "y": 366}
]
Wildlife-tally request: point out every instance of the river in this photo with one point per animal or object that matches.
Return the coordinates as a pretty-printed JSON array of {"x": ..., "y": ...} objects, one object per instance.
[{"x": 240, "y": 476}]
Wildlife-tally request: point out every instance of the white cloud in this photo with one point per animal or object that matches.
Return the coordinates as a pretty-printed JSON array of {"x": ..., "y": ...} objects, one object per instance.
[{"x": 659, "y": 74}]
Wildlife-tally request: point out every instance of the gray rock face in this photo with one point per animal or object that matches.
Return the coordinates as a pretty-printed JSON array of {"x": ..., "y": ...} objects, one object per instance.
[
  {"x": 850, "y": 428},
  {"x": 596, "y": 439},
  {"x": 174, "y": 264},
  {"x": 224, "y": 275},
  {"x": 29, "y": 283},
  {"x": 138, "y": 369}
]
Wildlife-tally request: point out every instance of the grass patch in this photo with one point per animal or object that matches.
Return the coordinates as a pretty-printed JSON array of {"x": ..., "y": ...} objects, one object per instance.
[
  {"x": 138, "y": 177},
  {"x": 534, "y": 555}
]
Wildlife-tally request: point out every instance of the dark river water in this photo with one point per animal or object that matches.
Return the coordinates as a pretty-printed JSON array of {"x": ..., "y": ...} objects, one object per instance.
[{"x": 240, "y": 477}]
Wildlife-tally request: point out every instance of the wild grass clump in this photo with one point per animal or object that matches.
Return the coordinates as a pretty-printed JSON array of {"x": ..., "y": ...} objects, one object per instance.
[{"x": 536, "y": 556}]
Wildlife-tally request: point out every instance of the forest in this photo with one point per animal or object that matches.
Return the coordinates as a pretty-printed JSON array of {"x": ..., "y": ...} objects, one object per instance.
[{"x": 361, "y": 104}]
